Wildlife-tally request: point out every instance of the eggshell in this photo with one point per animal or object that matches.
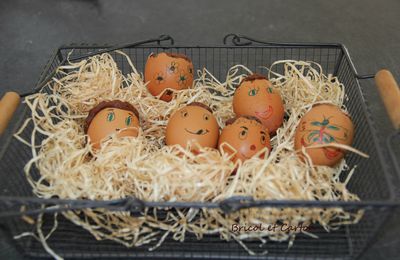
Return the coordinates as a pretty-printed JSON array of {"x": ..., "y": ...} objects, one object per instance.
[
  {"x": 168, "y": 70},
  {"x": 256, "y": 97},
  {"x": 192, "y": 123},
  {"x": 111, "y": 117},
  {"x": 246, "y": 135},
  {"x": 323, "y": 124}
]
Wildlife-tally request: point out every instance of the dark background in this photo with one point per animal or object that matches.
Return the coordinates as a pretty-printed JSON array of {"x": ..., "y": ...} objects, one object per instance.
[{"x": 31, "y": 30}]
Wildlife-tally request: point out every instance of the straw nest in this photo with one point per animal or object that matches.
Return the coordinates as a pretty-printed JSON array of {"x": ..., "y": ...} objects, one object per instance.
[{"x": 145, "y": 168}]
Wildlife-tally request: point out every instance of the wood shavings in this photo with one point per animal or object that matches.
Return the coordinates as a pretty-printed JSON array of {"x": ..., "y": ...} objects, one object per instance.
[{"x": 145, "y": 168}]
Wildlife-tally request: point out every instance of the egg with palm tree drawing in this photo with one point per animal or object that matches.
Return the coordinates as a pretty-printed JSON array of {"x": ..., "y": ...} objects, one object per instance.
[{"x": 324, "y": 124}]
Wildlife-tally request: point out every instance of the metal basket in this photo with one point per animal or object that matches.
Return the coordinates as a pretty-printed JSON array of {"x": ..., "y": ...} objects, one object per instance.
[{"x": 373, "y": 181}]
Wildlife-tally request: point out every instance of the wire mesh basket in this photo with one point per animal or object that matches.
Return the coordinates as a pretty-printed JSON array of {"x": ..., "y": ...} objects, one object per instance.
[{"x": 374, "y": 184}]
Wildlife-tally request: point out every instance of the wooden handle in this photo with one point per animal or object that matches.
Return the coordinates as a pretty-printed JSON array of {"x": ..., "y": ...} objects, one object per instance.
[
  {"x": 390, "y": 94},
  {"x": 8, "y": 104}
]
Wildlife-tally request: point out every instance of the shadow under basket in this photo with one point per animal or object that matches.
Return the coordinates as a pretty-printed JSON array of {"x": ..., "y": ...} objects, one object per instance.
[{"x": 372, "y": 182}]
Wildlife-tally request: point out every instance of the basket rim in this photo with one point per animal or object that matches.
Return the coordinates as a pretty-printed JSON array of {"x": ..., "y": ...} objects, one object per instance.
[{"x": 228, "y": 205}]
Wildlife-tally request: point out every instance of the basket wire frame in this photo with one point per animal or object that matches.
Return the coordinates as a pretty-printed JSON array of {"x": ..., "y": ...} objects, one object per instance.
[{"x": 370, "y": 182}]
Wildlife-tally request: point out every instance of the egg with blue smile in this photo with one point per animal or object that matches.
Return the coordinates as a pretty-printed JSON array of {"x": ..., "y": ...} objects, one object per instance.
[{"x": 192, "y": 123}]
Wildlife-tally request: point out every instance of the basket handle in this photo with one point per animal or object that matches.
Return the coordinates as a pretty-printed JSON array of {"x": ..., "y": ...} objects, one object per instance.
[
  {"x": 8, "y": 104},
  {"x": 158, "y": 40},
  {"x": 390, "y": 94}
]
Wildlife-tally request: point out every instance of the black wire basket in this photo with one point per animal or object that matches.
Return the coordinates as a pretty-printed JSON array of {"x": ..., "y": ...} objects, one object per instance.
[{"x": 374, "y": 184}]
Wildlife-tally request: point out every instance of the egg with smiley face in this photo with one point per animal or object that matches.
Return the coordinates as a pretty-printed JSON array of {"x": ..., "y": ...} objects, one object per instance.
[
  {"x": 194, "y": 122},
  {"x": 247, "y": 135},
  {"x": 256, "y": 97},
  {"x": 321, "y": 125},
  {"x": 110, "y": 117},
  {"x": 166, "y": 72}
]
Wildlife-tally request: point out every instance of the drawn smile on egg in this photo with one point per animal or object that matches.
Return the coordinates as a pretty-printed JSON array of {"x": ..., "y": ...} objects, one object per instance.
[
  {"x": 331, "y": 154},
  {"x": 125, "y": 129},
  {"x": 198, "y": 132},
  {"x": 247, "y": 157},
  {"x": 265, "y": 114},
  {"x": 253, "y": 147}
]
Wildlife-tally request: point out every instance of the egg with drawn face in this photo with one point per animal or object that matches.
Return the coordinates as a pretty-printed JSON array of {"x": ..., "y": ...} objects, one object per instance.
[
  {"x": 324, "y": 124},
  {"x": 166, "y": 72},
  {"x": 256, "y": 97},
  {"x": 246, "y": 135},
  {"x": 193, "y": 123},
  {"x": 111, "y": 117}
]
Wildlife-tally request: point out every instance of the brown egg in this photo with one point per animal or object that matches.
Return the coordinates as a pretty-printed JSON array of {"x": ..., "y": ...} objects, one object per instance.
[
  {"x": 110, "y": 117},
  {"x": 194, "y": 122},
  {"x": 324, "y": 124},
  {"x": 168, "y": 70},
  {"x": 256, "y": 97},
  {"x": 247, "y": 135}
]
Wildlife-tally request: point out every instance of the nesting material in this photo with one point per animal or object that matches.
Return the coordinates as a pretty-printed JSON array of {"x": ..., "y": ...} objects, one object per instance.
[{"x": 145, "y": 168}]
